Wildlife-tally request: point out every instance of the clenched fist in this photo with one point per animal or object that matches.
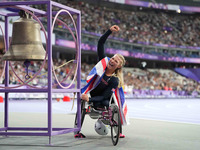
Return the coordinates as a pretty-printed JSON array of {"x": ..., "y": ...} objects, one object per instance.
[{"x": 114, "y": 28}]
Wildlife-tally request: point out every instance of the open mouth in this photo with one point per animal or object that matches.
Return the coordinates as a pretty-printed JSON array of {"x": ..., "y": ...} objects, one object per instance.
[{"x": 110, "y": 64}]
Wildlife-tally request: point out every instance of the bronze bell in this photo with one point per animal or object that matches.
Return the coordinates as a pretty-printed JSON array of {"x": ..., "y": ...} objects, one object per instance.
[{"x": 26, "y": 41}]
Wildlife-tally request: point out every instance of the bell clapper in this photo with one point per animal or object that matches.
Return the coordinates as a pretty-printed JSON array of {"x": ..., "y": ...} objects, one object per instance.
[{"x": 27, "y": 63}]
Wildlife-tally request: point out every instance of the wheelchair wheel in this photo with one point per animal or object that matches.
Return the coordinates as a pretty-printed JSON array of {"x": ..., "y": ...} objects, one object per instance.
[
  {"x": 115, "y": 124},
  {"x": 83, "y": 112}
]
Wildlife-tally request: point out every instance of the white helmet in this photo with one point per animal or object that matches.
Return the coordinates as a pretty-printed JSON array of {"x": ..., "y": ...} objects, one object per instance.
[{"x": 101, "y": 128}]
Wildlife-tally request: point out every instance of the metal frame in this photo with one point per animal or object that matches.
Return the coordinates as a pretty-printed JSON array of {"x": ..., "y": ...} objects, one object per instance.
[{"x": 47, "y": 131}]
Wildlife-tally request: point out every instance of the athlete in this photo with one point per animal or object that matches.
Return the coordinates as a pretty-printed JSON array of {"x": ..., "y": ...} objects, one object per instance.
[{"x": 111, "y": 79}]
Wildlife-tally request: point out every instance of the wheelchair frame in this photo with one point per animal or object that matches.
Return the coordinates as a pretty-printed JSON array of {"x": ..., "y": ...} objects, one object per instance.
[{"x": 108, "y": 115}]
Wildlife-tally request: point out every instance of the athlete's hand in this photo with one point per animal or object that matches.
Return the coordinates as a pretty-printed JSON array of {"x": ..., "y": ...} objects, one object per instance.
[
  {"x": 114, "y": 28},
  {"x": 85, "y": 97}
]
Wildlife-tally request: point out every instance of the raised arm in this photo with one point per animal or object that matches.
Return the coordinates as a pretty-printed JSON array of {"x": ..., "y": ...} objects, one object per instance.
[{"x": 102, "y": 40}]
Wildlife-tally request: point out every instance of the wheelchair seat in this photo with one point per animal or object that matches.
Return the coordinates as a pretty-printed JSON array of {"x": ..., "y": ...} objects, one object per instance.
[{"x": 109, "y": 115}]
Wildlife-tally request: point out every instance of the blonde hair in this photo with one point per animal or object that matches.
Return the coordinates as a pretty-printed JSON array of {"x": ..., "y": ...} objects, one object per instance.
[{"x": 119, "y": 71}]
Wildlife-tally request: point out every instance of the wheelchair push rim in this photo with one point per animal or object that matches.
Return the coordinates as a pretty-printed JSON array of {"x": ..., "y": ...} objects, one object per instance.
[
  {"x": 83, "y": 112},
  {"x": 115, "y": 124}
]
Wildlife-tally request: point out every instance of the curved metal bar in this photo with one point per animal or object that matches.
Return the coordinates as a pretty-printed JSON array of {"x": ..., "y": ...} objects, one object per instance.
[
  {"x": 77, "y": 47},
  {"x": 76, "y": 50},
  {"x": 4, "y": 67}
]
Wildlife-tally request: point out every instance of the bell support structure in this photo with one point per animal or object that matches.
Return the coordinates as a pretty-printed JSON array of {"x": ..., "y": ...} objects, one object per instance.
[{"x": 38, "y": 131}]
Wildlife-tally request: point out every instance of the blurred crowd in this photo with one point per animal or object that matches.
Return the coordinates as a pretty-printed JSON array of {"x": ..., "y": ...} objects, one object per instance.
[
  {"x": 134, "y": 78},
  {"x": 159, "y": 79},
  {"x": 140, "y": 26},
  {"x": 150, "y": 27},
  {"x": 136, "y": 26}
]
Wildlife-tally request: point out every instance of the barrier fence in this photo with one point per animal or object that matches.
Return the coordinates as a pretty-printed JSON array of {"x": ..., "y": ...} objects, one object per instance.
[{"x": 134, "y": 93}]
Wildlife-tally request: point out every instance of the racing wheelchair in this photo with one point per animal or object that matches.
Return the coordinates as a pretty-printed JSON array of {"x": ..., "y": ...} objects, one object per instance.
[{"x": 108, "y": 115}]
